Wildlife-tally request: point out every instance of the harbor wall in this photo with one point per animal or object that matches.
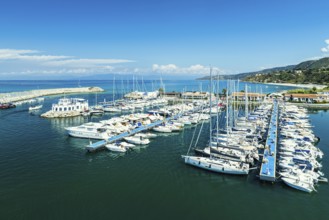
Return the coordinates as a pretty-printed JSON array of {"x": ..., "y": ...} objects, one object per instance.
[{"x": 26, "y": 95}]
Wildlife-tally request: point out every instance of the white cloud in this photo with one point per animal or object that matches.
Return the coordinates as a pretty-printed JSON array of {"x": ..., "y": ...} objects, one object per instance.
[
  {"x": 34, "y": 62},
  {"x": 26, "y": 55},
  {"x": 196, "y": 69},
  {"x": 85, "y": 62},
  {"x": 325, "y": 49},
  {"x": 169, "y": 68}
]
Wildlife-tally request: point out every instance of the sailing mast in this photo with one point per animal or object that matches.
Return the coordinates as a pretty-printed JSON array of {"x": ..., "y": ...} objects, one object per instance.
[
  {"x": 210, "y": 102},
  {"x": 217, "y": 102},
  {"x": 226, "y": 112},
  {"x": 113, "y": 90},
  {"x": 246, "y": 101}
]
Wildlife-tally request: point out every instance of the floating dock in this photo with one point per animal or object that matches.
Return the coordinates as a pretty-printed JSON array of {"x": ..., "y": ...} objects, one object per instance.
[
  {"x": 101, "y": 144},
  {"x": 268, "y": 168}
]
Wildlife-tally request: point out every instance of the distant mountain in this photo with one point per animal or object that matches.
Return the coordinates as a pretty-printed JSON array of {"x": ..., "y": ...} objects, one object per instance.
[
  {"x": 312, "y": 71},
  {"x": 243, "y": 75},
  {"x": 320, "y": 64},
  {"x": 307, "y": 66},
  {"x": 304, "y": 65}
]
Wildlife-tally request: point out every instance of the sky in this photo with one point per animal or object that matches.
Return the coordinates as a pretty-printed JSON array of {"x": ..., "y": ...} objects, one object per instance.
[{"x": 174, "y": 39}]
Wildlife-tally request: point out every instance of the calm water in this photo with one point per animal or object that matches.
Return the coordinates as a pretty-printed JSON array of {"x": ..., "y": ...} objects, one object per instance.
[{"x": 48, "y": 175}]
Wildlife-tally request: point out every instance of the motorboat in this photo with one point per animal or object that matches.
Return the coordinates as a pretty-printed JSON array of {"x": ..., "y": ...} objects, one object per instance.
[
  {"x": 89, "y": 130},
  {"x": 163, "y": 129},
  {"x": 145, "y": 135},
  {"x": 34, "y": 108},
  {"x": 116, "y": 147},
  {"x": 137, "y": 140}
]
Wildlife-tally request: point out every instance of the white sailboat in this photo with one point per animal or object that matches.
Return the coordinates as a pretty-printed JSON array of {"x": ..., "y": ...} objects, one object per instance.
[
  {"x": 112, "y": 108},
  {"x": 216, "y": 164},
  {"x": 298, "y": 184}
]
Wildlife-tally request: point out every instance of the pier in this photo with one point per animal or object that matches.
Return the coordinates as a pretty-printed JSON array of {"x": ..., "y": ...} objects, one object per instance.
[
  {"x": 268, "y": 168},
  {"x": 101, "y": 144},
  {"x": 26, "y": 95}
]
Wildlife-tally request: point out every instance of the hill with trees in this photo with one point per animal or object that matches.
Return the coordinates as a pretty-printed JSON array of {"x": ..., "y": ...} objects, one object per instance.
[{"x": 311, "y": 71}]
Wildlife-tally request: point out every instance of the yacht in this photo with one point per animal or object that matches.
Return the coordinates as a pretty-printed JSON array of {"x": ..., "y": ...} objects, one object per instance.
[
  {"x": 89, "y": 130},
  {"x": 218, "y": 165},
  {"x": 137, "y": 140},
  {"x": 116, "y": 147}
]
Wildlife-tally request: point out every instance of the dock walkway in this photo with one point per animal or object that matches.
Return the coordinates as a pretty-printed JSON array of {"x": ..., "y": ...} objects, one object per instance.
[
  {"x": 101, "y": 144},
  {"x": 268, "y": 168}
]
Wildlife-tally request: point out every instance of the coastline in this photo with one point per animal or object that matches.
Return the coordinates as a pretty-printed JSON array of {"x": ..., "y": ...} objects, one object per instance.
[
  {"x": 308, "y": 86},
  {"x": 31, "y": 94}
]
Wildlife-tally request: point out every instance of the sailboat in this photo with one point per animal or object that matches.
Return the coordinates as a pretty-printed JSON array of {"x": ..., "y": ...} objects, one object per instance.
[
  {"x": 212, "y": 163},
  {"x": 96, "y": 110},
  {"x": 112, "y": 108}
]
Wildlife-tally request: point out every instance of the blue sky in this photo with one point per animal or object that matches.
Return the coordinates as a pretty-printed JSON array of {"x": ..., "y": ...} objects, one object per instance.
[{"x": 63, "y": 39}]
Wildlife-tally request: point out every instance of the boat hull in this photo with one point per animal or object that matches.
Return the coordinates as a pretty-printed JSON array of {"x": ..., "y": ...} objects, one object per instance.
[{"x": 214, "y": 165}]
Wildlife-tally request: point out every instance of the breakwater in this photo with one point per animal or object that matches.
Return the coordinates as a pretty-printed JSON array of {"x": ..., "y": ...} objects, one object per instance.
[{"x": 26, "y": 95}]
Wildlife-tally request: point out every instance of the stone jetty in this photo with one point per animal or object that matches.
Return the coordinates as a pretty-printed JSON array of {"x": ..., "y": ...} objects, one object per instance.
[{"x": 26, "y": 95}]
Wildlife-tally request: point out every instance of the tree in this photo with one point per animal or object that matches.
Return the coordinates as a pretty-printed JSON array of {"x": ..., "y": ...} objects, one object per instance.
[{"x": 224, "y": 91}]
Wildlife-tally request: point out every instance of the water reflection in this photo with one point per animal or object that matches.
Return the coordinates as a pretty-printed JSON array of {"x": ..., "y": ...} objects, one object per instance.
[{"x": 59, "y": 124}]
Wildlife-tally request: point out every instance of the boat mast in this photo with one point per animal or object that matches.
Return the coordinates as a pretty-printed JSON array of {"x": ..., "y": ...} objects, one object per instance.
[
  {"x": 123, "y": 89},
  {"x": 133, "y": 83},
  {"x": 217, "y": 102},
  {"x": 113, "y": 89},
  {"x": 246, "y": 101},
  {"x": 210, "y": 102},
  {"x": 232, "y": 103},
  {"x": 226, "y": 112}
]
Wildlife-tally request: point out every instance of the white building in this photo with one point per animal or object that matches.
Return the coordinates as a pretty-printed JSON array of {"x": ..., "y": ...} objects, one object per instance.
[
  {"x": 142, "y": 95},
  {"x": 70, "y": 104}
]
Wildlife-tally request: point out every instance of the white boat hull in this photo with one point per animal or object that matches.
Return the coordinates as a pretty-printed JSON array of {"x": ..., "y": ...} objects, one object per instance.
[
  {"x": 306, "y": 187},
  {"x": 137, "y": 140},
  {"x": 116, "y": 148},
  {"x": 216, "y": 165}
]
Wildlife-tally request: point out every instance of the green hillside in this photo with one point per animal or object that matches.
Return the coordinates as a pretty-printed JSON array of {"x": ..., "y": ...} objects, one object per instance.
[{"x": 311, "y": 71}]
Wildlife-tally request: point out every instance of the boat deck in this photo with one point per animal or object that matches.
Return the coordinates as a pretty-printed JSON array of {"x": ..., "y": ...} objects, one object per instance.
[{"x": 268, "y": 168}]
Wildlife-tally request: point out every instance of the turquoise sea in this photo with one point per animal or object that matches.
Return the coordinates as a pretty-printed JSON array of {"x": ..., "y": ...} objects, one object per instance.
[{"x": 44, "y": 174}]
